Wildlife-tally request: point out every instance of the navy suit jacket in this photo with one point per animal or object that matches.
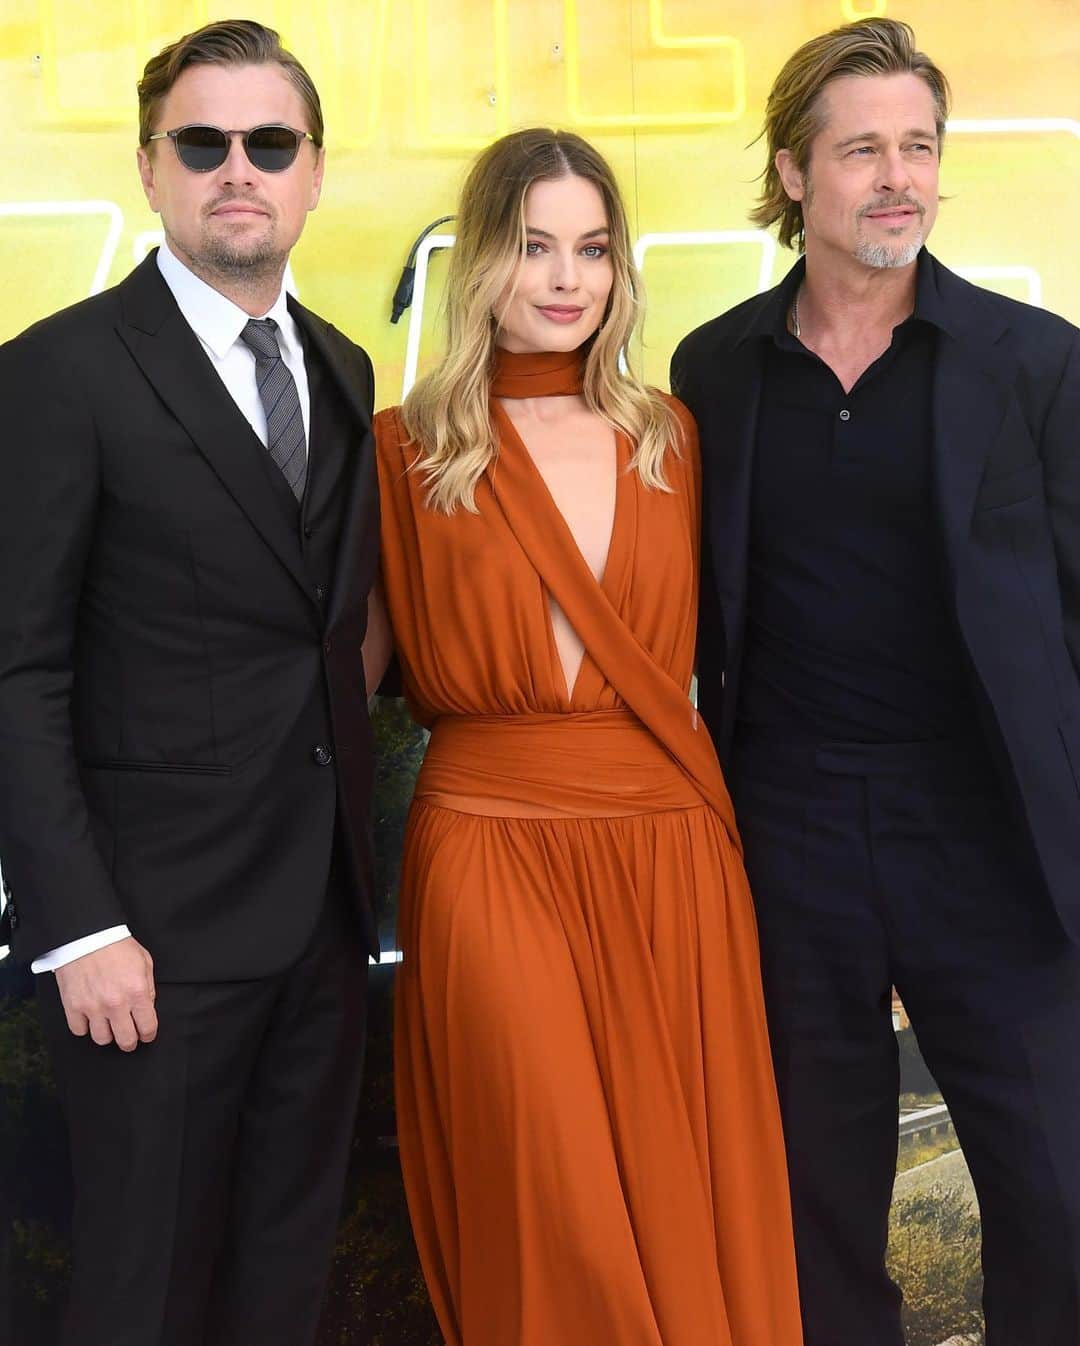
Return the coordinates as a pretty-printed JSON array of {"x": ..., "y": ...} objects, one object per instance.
[{"x": 1006, "y": 471}]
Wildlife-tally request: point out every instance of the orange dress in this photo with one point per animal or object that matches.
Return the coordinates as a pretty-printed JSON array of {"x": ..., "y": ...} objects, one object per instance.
[{"x": 586, "y": 1112}]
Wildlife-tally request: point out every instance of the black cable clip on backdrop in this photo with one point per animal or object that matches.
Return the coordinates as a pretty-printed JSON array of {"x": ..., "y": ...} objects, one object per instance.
[{"x": 404, "y": 292}]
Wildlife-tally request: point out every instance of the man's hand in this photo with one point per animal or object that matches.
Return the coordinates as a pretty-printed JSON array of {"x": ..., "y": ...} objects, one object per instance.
[{"x": 110, "y": 995}]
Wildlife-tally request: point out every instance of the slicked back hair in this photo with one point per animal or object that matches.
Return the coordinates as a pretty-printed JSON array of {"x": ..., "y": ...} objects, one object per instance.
[
  {"x": 794, "y": 113},
  {"x": 230, "y": 42}
]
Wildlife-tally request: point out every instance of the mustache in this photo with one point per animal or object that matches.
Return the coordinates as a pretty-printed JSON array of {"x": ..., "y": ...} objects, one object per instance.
[
  {"x": 230, "y": 198},
  {"x": 892, "y": 203}
]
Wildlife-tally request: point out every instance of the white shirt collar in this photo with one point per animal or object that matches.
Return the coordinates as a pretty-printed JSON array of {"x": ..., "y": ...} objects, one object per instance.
[{"x": 214, "y": 319}]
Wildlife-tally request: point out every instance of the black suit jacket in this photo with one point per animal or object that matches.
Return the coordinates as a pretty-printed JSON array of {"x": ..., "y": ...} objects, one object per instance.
[
  {"x": 1006, "y": 465},
  {"x": 183, "y": 722}
]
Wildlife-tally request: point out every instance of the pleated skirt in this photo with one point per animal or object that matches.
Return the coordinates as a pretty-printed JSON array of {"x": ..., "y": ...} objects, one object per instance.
[{"x": 587, "y": 1118}]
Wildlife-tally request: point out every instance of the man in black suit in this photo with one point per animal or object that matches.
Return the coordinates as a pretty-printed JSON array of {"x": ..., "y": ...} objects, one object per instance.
[
  {"x": 188, "y": 525},
  {"x": 889, "y": 646}
]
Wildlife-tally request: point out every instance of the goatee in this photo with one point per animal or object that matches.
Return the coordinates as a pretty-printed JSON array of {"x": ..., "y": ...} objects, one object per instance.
[{"x": 883, "y": 258}]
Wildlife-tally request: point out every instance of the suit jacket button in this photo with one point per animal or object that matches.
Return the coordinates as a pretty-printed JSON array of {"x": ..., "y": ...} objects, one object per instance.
[
  {"x": 320, "y": 592},
  {"x": 322, "y": 754}
]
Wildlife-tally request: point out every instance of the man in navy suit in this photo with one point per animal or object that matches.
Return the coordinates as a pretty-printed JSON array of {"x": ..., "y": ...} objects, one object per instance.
[
  {"x": 889, "y": 654},
  {"x": 189, "y": 530}
]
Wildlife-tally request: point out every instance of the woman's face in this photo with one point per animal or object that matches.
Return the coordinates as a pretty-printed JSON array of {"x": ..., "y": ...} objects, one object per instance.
[{"x": 565, "y": 277}]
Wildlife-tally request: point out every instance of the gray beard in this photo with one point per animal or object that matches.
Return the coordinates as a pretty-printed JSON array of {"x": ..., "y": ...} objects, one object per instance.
[{"x": 883, "y": 258}]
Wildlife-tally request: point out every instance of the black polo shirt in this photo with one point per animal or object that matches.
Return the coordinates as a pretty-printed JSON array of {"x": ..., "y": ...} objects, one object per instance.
[{"x": 850, "y": 634}]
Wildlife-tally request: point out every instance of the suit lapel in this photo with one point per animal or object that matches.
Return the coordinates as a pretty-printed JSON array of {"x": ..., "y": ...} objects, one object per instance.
[
  {"x": 727, "y": 446},
  {"x": 728, "y": 468},
  {"x": 969, "y": 409},
  {"x": 170, "y": 355},
  {"x": 325, "y": 446},
  {"x": 348, "y": 375},
  {"x": 341, "y": 360},
  {"x": 970, "y": 402}
]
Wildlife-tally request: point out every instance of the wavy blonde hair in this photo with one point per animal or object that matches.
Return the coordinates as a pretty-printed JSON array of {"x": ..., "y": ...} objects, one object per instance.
[
  {"x": 794, "y": 113},
  {"x": 447, "y": 413}
]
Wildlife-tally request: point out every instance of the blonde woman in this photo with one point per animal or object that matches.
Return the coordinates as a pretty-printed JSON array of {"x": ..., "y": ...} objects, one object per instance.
[{"x": 588, "y": 1123}]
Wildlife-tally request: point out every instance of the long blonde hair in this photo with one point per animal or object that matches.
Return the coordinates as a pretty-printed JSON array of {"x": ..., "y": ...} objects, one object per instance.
[{"x": 447, "y": 413}]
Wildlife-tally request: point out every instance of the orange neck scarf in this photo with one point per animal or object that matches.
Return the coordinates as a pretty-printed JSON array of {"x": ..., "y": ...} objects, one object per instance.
[{"x": 537, "y": 374}]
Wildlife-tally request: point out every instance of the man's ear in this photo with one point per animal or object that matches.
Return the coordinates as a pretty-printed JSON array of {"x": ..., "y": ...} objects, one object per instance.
[
  {"x": 146, "y": 175},
  {"x": 791, "y": 175},
  {"x": 317, "y": 176}
]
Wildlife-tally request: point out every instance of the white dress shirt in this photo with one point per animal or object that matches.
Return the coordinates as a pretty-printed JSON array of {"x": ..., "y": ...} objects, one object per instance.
[{"x": 217, "y": 322}]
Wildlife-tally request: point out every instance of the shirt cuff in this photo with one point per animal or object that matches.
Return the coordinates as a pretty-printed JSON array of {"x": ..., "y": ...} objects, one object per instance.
[{"x": 79, "y": 948}]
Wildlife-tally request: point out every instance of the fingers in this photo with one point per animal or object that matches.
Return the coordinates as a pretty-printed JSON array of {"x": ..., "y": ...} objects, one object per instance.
[
  {"x": 101, "y": 1030},
  {"x": 143, "y": 1012},
  {"x": 126, "y": 1028},
  {"x": 145, "y": 1020},
  {"x": 110, "y": 995}
]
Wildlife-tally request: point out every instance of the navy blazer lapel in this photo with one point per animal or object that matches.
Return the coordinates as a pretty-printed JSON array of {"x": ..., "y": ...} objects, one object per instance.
[
  {"x": 969, "y": 410},
  {"x": 970, "y": 401},
  {"x": 728, "y": 472},
  {"x": 724, "y": 384},
  {"x": 173, "y": 360},
  {"x": 728, "y": 480}
]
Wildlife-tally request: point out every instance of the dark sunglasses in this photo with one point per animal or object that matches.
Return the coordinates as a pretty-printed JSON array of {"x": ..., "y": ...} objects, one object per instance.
[{"x": 270, "y": 149}]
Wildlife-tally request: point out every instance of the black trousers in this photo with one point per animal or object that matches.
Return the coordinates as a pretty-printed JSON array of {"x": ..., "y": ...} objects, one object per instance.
[
  {"x": 209, "y": 1165},
  {"x": 902, "y": 865}
]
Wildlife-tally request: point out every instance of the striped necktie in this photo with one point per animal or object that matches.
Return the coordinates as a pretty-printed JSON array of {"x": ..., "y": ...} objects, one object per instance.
[{"x": 281, "y": 402}]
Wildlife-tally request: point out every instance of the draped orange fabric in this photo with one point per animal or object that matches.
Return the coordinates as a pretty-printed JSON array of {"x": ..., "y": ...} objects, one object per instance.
[{"x": 587, "y": 1118}]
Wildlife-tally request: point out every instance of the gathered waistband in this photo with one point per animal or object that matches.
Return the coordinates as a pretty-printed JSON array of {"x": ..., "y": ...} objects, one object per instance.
[{"x": 592, "y": 764}]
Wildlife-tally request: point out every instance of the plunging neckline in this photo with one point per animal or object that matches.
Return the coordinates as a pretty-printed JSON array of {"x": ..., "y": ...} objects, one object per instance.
[{"x": 614, "y": 564}]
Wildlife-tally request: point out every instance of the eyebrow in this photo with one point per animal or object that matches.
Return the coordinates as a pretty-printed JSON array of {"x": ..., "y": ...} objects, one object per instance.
[
  {"x": 914, "y": 134},
  {"x": 543, "y": 233}
]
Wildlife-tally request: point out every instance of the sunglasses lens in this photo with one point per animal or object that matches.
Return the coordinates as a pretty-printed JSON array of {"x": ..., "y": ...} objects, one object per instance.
[
  {"x": 201, "y": 148},
  {"x": 271, "y": 148}
]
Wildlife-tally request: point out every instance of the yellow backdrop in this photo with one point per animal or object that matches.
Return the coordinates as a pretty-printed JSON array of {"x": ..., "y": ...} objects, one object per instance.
[{"x": 670, "y": 90}]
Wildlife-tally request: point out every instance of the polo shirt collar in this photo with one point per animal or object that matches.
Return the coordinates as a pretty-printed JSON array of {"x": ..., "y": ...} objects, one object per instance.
[{"x": 771, "y": 318}]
